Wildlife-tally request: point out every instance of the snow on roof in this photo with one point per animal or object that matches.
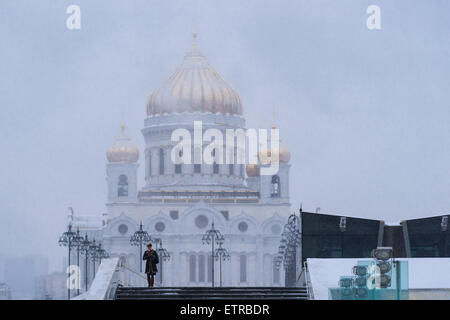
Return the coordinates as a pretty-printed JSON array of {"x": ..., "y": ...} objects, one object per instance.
[
  {"x": 424, "y": 273},
  {"x": 87, "y": 222}
]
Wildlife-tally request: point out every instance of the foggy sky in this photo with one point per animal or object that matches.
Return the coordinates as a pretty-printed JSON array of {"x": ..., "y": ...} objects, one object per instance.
[{"x": 365, "y": 113}]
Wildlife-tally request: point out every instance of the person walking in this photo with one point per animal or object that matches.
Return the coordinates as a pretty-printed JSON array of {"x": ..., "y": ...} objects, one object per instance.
[{"x": 152, "y": 259}]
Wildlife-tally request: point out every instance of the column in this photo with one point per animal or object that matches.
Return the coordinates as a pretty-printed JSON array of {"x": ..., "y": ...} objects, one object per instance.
[
  {"x": 234, "y": 270},
  {"x": 169, "y": 166},
  {"x": 147, "y": 165}
]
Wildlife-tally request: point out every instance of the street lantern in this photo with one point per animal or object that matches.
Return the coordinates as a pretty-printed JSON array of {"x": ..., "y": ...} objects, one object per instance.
[
  {"x": 85, "y": 250},
  {"x": 138, "y": 239},
  {"x": 221, "y": 254},
  {"x": 93, "y": 253},
  {"x": 278, "y": 260},
  {"x": 97, "y": 253},
  {"x": 68, "y": 239},
  {"x": 212, "y": 236},
  {"x": 101, "y": 253},
  {"x": 163, "y": 256}
]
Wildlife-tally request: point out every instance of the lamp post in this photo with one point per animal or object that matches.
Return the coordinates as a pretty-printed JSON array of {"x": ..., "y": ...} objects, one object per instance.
[
  {"x": 93, "y": 252},
  {"x": 85, "y": 247},
  {"x": 97, "y": 253},
  {"x": 67, "y": 240},
  {"x": 163, "y": 256},
  {"x": 287, "y": 249},
  {"x": 101, "y": 253},
  {"x": 212, "y": 235},
  {"x": 78, "y": 240},
  {"x": 221, "y": 254},
  {"x": 137, "y": 239}
]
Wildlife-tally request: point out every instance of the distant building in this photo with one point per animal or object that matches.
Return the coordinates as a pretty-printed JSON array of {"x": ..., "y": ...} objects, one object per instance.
[
  {"x": 51, "y": 286},
  {"x": 65, "y": 264},
  {"x": 21, "y": 272},
  {"x": 2, "y": 268},
  {"x": 5, "y": 291}
]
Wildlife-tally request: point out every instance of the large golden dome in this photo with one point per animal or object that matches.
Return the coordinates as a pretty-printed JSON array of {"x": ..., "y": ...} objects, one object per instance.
[
  {"x": 123, "y": 150},
  {"x": 194, "y": 87}
]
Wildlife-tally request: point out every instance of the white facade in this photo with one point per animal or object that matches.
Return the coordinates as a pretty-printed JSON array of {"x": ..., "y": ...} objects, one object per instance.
[{"x": 178, "y": 204}]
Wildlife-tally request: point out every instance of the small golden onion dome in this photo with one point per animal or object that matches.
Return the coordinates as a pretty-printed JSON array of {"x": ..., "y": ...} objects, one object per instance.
[
  {"x": 284, "y": 154},
  {"x": 252, "y": 170},
  {"x": 194, "y": 87},
  {"x": 123, "y": 150}
]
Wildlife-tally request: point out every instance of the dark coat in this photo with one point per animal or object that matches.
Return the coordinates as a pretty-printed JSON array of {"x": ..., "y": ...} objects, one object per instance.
[{"x": 152, "y": 260}]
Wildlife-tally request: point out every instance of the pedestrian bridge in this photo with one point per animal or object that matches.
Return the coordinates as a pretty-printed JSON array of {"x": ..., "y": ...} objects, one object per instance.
[{"x": 114, "y": 280}]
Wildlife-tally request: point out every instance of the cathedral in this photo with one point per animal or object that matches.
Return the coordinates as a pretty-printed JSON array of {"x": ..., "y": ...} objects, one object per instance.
[{"x": 178, "y": 203}]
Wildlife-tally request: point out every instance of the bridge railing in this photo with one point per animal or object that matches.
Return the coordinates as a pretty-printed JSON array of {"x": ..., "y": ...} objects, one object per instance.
[
  {"x": 132, "y": 278},
  {"x": 112, "y": 272},
  {"x": 309, "y": 288}
]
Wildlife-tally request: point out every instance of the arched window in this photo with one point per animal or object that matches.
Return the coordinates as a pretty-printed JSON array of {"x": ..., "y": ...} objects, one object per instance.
[
  {"x": 275, "y": 187},
  {"x": 122, "y": 190},
  {"x": 158, "y": 274},
  {"x": 197, "y": 168},
  {"x": 215, "y": 165},
  {"x": 215, "y": 168},
  {"x": 276, "y": 273},
  {"x": 201, "y": 268},
  {"x": 192, "y": 268},
  {"x": 161, "y": 161},
  {"x": 178, "y": 166},
  {"x": 243, "y": 268}
]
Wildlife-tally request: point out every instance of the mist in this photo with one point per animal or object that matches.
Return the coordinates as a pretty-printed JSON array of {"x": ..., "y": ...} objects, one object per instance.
[{"x": 365, "y": 113}]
